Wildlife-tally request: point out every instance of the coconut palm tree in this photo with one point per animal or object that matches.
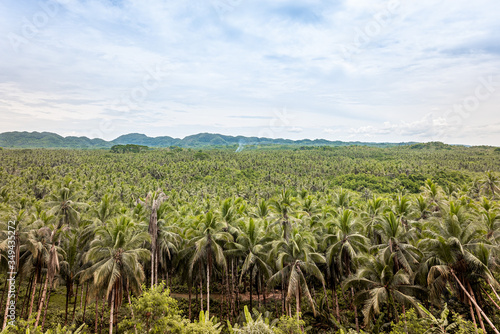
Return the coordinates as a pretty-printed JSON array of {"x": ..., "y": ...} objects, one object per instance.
[
  {"x": 451, "y": 260},
  {"x": 64, "y": 203},
  {"x": 295, "y": 259},
  {"x": 395, "y": 241},
  {"x": 490, "y": 183},
  {"x": 208, "y": 238},
  {"x": 378, "y": 285},
  {"x": 116, "y": 254},
  {"x": 344, "y": 242},
  {"x": 153, "y": 201},
  {"x": 252, "y": 244},
  {"x": 283, "y": 208}
]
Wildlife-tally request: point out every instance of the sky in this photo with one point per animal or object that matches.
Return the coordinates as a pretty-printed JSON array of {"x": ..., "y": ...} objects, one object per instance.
[{"x": 352, "y": 70}]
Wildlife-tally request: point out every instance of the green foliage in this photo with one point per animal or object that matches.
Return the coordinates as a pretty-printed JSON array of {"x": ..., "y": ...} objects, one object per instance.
[
  {"x": 280, "y": 221},
  {"x": 155, "y": 312},
  {"x": 414, "y": 324},
  {"x": 433, "y": 325},
  {"x": 204, "y": 325},
  {"x": 251, "y": 326},
  {"x": 129, "y": 148},
  {"x": 290, "y": 325},
  {"x": 27, "y": 327}
]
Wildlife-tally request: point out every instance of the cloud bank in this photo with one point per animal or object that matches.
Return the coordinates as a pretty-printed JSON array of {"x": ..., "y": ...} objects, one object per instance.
[{"x": 349, "y": 70}]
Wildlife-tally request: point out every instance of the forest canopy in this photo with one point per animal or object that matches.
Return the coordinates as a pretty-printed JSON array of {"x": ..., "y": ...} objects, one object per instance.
[{"x": 290, "y": 240}]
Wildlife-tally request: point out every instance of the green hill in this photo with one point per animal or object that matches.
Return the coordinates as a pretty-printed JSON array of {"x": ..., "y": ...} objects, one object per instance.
[{"x": 52, "y": 140}]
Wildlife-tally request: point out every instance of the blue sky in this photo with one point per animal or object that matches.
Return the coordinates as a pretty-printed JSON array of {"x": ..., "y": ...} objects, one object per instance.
[{"x": 385, "y": 71}]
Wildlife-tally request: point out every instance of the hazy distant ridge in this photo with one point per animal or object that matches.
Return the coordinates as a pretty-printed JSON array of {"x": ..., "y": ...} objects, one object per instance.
[{"x": 52, "y": 140}]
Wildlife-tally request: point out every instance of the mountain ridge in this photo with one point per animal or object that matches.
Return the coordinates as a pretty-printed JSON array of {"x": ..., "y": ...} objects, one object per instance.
[{"x": 25, "y": 139}]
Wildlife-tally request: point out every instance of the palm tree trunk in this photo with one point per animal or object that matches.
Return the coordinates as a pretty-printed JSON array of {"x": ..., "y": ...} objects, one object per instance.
[
  {"x": 156, "y": 266},
  {"x": 473, "y": 317},
  {"x": 404, "y": 319},
  {"x": 3, "y": 292},
  {"x": 208, "y": 291},
  {"x": 7, "y": 304},
  {"x": 111, "y": 313},
  {"x": 251, "y": 300},
  {"x": 33, "y": 296},
  {"x": 492, "y": 300},
  {"x": 86, "y": 298},
  {"x": 201, "y": 294},
  {"x": 42, "y": 300},
  {"x": 229, "y": 297},
  {"x": 335, "y": 298},
  {"x": 25, "y": 301},
  {"x": 96, "y": 312},
  {"x": 325, "y": 293},
  {"x": 131, "y": 311},
  {"x": 477, "y": 310},
  {"x": 258, "y": 289},
  {"x": 102, "y": 312},
  {"x": 282, "y": 292},
  {"x": 81, "y": 297},
  {"x": 76, "y": 299},
  {"x": 494, "y": 291},
  {"x": 297, "y": 303},
  {"x": 40, "y": 289},
  {"x": 356, "y": 311},
  {"x": 475, "y": 304},
  {"x": 20, "y": 284},
  {"x": 67, "y": 302},
  {"x": 190, "y": 287},
  {"x": 233, "y": 301},
  {"x": 47, "y": 304}
]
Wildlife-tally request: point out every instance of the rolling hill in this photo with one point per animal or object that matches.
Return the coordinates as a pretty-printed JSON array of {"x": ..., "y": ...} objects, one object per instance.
[{"x": 25, "y": 139}]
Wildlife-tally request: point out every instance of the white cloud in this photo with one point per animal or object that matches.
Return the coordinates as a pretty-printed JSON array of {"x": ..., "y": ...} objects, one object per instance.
[{"x": 255, "y": 57}]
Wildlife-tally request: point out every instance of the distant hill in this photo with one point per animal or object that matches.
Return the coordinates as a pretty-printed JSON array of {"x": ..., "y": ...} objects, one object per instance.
[{"x": 51, "y": 140}]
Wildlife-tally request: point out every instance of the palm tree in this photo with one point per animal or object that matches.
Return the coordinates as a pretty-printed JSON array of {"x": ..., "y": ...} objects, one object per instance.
[
  {"x": 344, "y": 243},
  {"x": 394, "y": 241},
  {"x": 52, "y": 267},
  {"x": 64, "y": 203},
  {"x": 373, "y": 215},
  {"x": 12, "y": 245},
  {"x": 208, "y": 238},
  {"x": 451, "y": 260},
  {"x": 253, "y": 245},
  {"x": 490, "y": 183},
  {"x": 296, "y": 258},
  {"x": 378, "y": 285},
  {"x": 283, "y": 207},
  {"x": 168, "y": 237},
  {"x": 153, "y": 201},
  {"x": 117, "y": 254}
]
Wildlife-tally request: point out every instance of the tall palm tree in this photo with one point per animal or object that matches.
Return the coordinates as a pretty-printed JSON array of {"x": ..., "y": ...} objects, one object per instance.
[
  {"x": 490, "y": 183},
  {"x": 451, "y": 260},
  {"x": 253, "y": 244},
  {"x": 117, "y": 254},
  {"x": 395, "y": 241},
  {"x": 378, "y": 285},
  {"x": 372, "y": 215},
  {"x": 11, "y": 244},
  {"x": 344, "y": 243},
  {"x": 153, "y": 201},
  {"x": 208, "y": 239},
  {"x": 283, "y": 208},
  {"x": 295, "y": 259},
  {"x": 64, "y": 203}
]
